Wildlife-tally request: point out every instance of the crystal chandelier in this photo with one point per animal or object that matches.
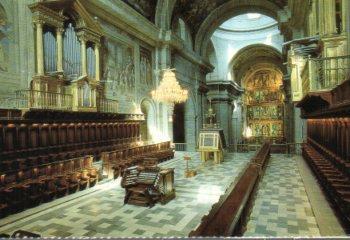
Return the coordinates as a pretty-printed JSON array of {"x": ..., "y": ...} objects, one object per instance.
[{"x": 169, "y": 90}]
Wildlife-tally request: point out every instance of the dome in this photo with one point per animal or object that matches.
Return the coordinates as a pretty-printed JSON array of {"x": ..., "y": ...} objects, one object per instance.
[{"x": 248, "y": 22}]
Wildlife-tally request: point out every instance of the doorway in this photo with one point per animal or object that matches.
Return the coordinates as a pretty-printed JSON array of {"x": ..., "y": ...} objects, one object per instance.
[{"x": 179, "y": 123}]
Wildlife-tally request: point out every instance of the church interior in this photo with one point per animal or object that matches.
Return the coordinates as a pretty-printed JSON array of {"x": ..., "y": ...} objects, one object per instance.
[{"x": 174, "y": 118}]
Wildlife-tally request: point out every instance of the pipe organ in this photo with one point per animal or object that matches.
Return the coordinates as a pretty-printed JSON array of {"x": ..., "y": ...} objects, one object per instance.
[
  {"x": 50, "y": 51},
  {"x": 67, "y": 54},
  {"x": 71, "y": 53}
]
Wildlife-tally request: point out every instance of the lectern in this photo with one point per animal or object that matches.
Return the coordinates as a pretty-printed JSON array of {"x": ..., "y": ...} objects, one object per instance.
[{"x": 211, "y": 140}]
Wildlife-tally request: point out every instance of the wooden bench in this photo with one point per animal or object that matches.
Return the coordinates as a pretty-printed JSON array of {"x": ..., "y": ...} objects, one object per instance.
[{"x": 228, "y": 216}]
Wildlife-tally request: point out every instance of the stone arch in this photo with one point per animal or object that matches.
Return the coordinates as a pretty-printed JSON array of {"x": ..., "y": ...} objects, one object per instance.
[
  {"x": 163, "y": 14},
  {"x": 253, "y": 54},
  {"x": 226, "y": 11},
  {"x": 181, "y": 28},
  {"x": 212, "y": 58},
  {"x": 148, "y": 127}
]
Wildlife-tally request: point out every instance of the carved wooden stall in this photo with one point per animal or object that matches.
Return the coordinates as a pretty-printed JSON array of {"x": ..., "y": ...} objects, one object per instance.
[
  {"x": 327, "y": 149},
  {"x": 114, "y": 162},
  {"x": 48, "y": 154}
]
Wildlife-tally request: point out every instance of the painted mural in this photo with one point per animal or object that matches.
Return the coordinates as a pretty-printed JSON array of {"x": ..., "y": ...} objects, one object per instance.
[{"x": 263, "y": 100}]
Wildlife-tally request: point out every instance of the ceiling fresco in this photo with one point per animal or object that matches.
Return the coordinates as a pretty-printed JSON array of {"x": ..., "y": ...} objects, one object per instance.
[
  {"x": 145, "y": 7},
  {"x": 194, "y": 12}
]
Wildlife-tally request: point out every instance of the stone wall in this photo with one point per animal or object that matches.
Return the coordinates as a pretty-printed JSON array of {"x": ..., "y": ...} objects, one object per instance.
[
  {"x": 189, "y": 76},
  {"x": 16, "y": 46}
]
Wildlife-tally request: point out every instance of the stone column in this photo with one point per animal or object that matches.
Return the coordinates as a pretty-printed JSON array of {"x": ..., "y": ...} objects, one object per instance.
[
  {"x": 224, "y": 109},
  {"x": 346, "y": 21},
  {"x": 170, "y": 121},
  {"x": 97, "y": 61},
  {"x": 222, "y": 94},
  {"x": 59, "y": 42},
  {"x": 165, "y": 57},
  {"x": 39, "y": 47},
  {"x": 83, "y": 56},
  {"x": 329, "y": 17}
]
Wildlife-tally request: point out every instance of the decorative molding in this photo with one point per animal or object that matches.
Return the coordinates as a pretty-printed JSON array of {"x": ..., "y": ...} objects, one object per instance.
[{"x": 46, "y": 15}]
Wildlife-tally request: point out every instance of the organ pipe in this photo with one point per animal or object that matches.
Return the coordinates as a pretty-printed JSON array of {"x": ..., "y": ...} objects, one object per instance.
[
  {"x": 71, "y": 52},
  {"x": 49, "y": 52}
]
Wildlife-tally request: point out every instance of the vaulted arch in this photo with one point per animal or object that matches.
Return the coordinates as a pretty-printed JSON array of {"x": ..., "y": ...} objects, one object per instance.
[
  {"x": 228, "y": 10},
  {"x": 247, "y": 57}
]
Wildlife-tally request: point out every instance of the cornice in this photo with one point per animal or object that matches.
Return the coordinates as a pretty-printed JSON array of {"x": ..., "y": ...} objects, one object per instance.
[
  {"x": 126, "y": 18},
  {"x": 46, "y": 15},
  {"x": 123, "y": 16},
  {"x": 89, "y": 35},
  {"x": 179, "y": 45},
  {"x": 226, "y": 87}
]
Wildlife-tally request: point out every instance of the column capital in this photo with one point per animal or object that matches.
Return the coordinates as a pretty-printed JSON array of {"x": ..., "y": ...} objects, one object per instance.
[
  {"x": 82, "y": 39},
  {"x": 60, "y": 30},
  {"x": 38, "y": 22},
  {"x": 97, "y": 45}
]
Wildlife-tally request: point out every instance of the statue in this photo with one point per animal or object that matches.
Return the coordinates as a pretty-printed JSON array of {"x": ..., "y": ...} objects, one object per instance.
[{"x": 210, "y": 115}]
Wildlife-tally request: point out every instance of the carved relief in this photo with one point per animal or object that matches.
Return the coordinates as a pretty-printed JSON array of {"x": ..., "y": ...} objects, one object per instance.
[
  {"x": 4, "y": 43},
  {"x": 119, "y": 71},
  {"x": 146, "y": 67}
]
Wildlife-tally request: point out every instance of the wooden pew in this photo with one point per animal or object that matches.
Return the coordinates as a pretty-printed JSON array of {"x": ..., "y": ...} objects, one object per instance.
[
  {"x": 33, "y": 185},
  {"x": 228, "y": 216}
]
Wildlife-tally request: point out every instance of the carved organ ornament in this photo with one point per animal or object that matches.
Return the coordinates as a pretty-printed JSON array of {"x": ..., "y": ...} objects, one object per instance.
[{"x": 67, "y": 52}]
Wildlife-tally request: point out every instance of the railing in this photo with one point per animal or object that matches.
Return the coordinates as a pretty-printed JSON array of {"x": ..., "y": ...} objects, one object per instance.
[
  {"x": 43, "y": 100},
  {"x": 328, "y": 72},
  {"x": 181, "y": 147},
  {"x": 107, "y": 105}
]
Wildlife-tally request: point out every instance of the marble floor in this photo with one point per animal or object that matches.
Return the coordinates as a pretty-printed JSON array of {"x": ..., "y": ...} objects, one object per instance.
[
  {"x": 101, "y": 212},
  {"x": 282, "y": 206}
]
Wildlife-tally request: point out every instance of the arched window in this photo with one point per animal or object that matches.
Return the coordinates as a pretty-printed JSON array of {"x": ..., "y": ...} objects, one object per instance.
[
  {"x": 71, "y": 52},
  {"x": 49, "y": 50}
]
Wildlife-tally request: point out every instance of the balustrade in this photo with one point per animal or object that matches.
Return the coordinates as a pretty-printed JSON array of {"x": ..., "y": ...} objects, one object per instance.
[
  {"x": 107, "y": 105},
  {"x": 326, "y": 73},
  {"x": 43, "y": 100}
]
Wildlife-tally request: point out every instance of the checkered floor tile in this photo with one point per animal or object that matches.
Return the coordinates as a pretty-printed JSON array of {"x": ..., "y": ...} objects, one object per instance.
[
  {"x": 102, "y": 212},
  {"x": 281, "y": 207}
]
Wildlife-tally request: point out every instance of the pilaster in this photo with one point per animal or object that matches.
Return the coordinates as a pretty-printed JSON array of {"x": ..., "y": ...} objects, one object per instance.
[{"x": 59, "y": 40}]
